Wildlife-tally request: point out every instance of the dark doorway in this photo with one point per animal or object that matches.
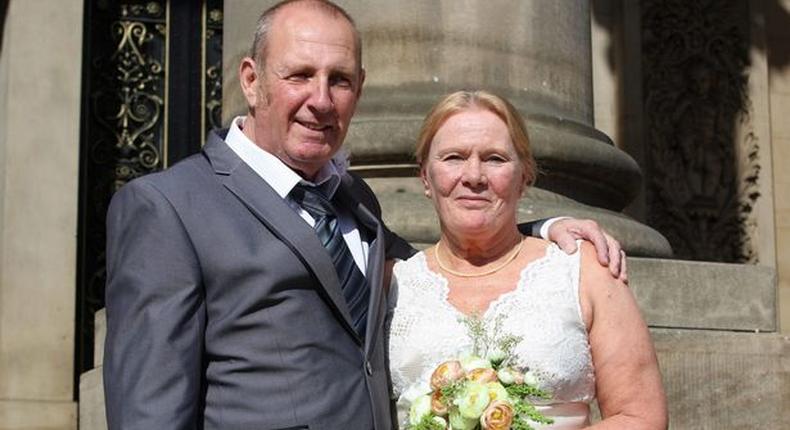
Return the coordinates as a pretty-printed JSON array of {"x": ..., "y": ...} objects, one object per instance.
[{"x": 152, "y": 89}]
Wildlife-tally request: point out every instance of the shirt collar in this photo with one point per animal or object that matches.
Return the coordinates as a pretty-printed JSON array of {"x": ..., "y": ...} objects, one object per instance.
[{"x": 272, "y": 170}]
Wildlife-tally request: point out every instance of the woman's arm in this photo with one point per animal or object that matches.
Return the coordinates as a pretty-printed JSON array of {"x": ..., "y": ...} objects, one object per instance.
[{"x": 628, "y": 383}]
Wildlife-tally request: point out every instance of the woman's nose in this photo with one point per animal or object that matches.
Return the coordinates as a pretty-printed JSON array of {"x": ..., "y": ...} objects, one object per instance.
[{"x": 473, "y": 173}]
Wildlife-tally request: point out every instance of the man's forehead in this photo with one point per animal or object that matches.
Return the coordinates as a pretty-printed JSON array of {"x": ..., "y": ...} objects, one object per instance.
[
  {"x": 308, "y": 14},
  {"x": 314, "y": 27}
]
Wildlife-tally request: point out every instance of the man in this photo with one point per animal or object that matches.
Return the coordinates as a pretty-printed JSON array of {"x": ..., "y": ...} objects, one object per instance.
[{"x": 244, "y": 284}]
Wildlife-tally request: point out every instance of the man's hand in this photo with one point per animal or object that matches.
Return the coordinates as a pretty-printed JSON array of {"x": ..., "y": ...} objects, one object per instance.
[{"x": 566, "y": 231}]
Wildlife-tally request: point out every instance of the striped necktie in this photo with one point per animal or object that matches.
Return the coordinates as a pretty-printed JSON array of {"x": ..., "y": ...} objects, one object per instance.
[{"x": 352, "y": 281}]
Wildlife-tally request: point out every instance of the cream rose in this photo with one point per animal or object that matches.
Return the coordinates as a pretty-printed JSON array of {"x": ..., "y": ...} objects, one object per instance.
[
  {"x": 509, "y": 376},
  {"x": 474, "y": 362},
  {"x": 473, "y": 400},
  {"x": 496, "y": 391},
  {"x": 460, "y": 422},
  {"x": 419, "y": 408}
]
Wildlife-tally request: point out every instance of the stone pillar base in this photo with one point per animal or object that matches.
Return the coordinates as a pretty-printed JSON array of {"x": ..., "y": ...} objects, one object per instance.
[
  {"x": 38, "y": 414},
  {"x": 725, "y": 380},
  {"x": 92, "y": 415}
]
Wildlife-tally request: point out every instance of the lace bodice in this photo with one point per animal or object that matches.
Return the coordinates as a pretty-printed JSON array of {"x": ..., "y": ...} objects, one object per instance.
[{"x": 544, "y": 309}]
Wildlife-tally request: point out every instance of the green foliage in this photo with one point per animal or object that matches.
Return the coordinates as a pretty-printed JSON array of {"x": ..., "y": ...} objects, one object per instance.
[
  {"x": 490, "y": 342},
  {"x": 520, "y": 424},
  {"x": 427, "y": 423},
  {"x": 521, "y": 391},
  {"x": 527, "y": 410},
  {"x": 453, "y": 390},
  {"x": 524, "y": 411},
  {"x": 477, "y": 332}
]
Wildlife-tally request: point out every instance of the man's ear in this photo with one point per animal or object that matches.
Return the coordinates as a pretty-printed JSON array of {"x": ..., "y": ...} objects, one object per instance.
[
  {"x": 249, "y": 80},
  {"x": 361, "y": 82}
]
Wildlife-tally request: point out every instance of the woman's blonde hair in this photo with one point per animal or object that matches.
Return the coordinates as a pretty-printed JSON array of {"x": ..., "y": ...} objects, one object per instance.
[{"x": 461, "y": 101}]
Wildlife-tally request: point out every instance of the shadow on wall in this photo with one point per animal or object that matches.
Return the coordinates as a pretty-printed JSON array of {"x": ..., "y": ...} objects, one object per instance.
[
  {"x": 777, "y": 13},
  {"x": 777, "y": 22},
  {"x": 3, "y": 10},
  {"x": 701, "y": 161}
]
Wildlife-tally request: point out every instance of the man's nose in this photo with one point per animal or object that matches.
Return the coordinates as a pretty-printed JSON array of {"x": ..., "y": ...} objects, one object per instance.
[{"x": 321, "y": 96}]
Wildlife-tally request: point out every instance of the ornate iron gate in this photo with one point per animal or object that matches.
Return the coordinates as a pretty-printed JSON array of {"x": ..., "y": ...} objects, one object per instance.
[{"x": 152, "y": 89}]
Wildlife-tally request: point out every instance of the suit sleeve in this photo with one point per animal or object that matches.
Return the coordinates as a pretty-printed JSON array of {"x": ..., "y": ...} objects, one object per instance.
[
  {"x": 155, "y": 315},
  {"x": 395, "y": 246},
  {"x": 532, "y": 228}
]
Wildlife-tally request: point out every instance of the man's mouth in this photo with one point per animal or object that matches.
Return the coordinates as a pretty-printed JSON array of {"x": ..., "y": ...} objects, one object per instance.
[{"x": 314, "y": 126}]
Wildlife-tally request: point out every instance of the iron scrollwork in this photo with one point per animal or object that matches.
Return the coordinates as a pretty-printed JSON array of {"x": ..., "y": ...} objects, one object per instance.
[
  {"x": 126, "y": 125},
  {"x": 704, "y": 174},
  {"x": 213, "y": 73},
  {"x": 123, "y": 135},
  {"x": 129, "y": 105}
]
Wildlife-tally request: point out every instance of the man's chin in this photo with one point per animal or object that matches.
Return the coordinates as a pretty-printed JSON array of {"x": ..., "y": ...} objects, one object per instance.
[{"x": 308, "y": 164}]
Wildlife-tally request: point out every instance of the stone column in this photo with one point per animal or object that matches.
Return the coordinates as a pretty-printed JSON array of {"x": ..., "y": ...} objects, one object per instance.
[
  {"x": 535, "y": 53},
  {"x": 39, "y": 149}
]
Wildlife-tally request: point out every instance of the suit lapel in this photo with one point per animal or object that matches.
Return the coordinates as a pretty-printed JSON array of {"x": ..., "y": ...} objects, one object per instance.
[
  {"x": 375, "y": 266},
  {"x": 266, "y": 205}
]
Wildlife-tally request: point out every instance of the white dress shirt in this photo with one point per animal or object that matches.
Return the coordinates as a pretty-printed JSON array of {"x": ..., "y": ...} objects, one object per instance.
[{"x": 282, "y": 179}]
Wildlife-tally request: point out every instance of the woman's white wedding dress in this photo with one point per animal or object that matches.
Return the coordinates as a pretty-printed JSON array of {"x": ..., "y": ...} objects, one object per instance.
[{"x": 425, "y": 330}]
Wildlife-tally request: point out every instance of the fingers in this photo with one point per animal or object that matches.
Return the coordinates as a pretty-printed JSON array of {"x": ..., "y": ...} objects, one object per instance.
[
  {"x": 591, "y": 231},
  {"x": 615, "y": 255},
  {"x": 563, "y": 233},
  {"x": 566, "y": 241},
  {"x": 623, "y": 269}
]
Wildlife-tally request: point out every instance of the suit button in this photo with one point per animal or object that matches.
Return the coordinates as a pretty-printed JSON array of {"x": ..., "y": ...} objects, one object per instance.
[{"x": 368, "y": 368}]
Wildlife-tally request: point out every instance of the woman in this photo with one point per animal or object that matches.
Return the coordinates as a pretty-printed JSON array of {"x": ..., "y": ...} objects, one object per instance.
[{"x": 580, "y": 329}]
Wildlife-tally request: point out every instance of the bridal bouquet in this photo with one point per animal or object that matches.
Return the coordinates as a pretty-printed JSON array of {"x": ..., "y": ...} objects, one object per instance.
[{"x": 478, "y": 391}]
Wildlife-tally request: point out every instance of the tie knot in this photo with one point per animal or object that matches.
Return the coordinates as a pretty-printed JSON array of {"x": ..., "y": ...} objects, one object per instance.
[{"x": 313, "y": 200}]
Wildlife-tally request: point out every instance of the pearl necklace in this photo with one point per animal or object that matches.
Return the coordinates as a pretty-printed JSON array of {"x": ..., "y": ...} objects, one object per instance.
[{"x": 477, "y": 275}]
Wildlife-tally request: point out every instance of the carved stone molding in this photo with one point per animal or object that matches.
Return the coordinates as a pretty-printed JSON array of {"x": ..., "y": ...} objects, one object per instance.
[{"x": 702, "y": 173}]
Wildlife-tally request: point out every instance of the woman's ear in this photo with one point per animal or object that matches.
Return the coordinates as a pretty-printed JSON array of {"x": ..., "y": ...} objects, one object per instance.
[
  {"x": 425, "y": 183},
  {"x": 524, "y": 182}
]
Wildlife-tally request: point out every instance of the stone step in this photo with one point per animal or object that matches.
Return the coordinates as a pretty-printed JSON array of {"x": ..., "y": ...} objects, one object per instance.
[
  {"x": 709, "y": 321},
  {"x": 701, "y": 295},
  {"x": 714, "y": 380},
  {"x": 725, "y": 380}
]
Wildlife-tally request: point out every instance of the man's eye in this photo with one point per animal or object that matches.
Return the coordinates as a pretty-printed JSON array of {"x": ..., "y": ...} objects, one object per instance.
[
  {"x": 452, "y": 157},
  {"x": 298, "y": 77},
  {"x": 341, "y": 82}
]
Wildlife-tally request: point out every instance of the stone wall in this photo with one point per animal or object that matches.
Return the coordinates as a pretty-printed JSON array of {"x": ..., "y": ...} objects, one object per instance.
[
  {"x": 40, "y": 79},
  {"x": 777, "y": 17}
]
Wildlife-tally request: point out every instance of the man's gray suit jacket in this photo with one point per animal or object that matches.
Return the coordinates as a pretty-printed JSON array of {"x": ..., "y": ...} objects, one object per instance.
[{"x": 224, "y": 309}]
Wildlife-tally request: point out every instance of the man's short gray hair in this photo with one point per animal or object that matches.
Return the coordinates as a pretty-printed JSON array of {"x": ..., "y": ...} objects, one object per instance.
[{"x": 265, "y": 21}]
